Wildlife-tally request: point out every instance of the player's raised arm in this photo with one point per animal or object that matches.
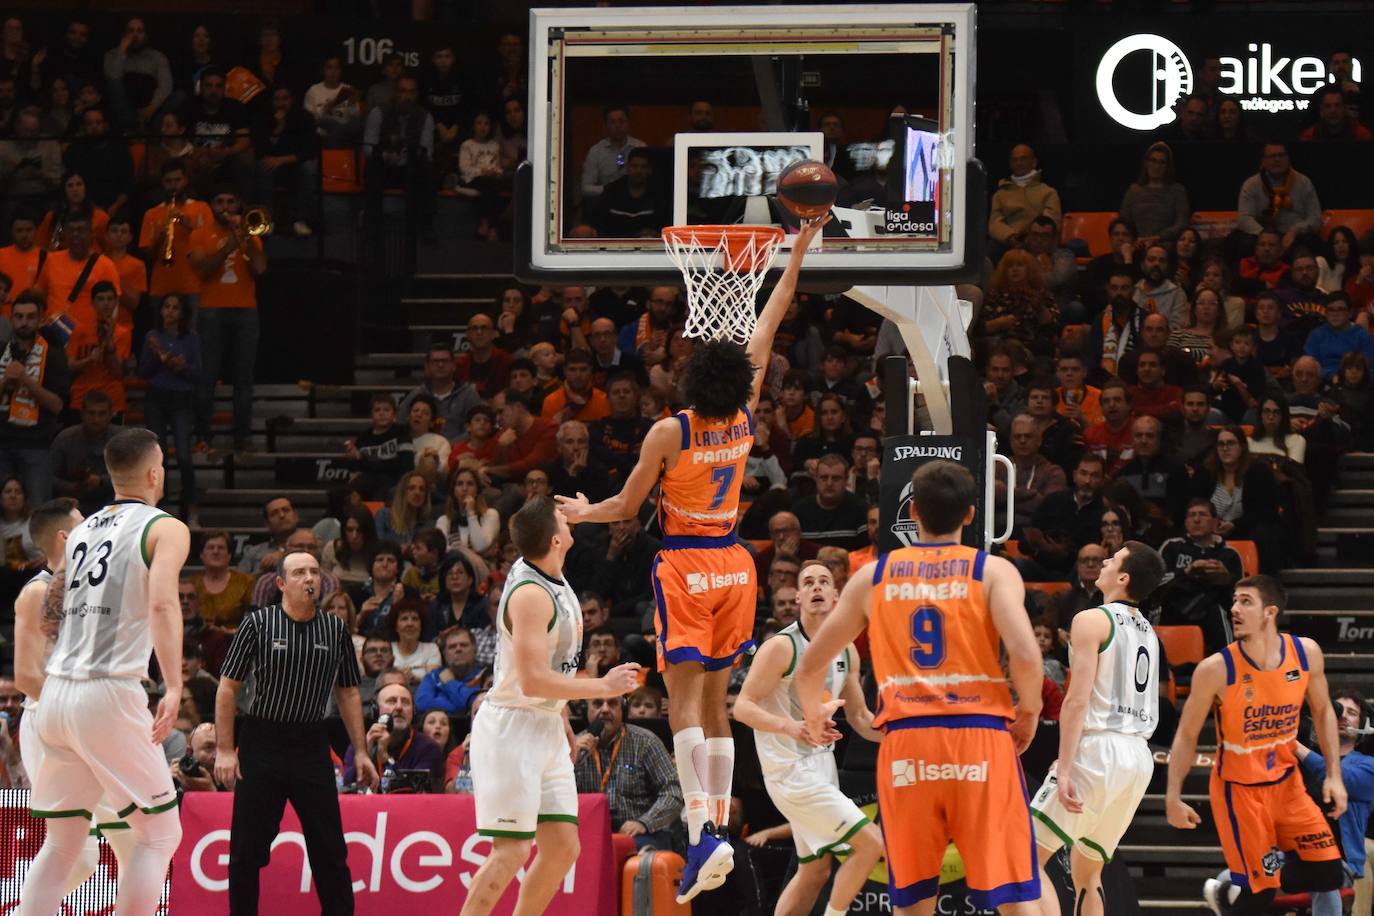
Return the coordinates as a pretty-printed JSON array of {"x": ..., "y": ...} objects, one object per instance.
[
  {"x": 1007, "y": 607},
  {"x": 761, "y": 343},
  {"x": 1324, "y": 723},
  {"x": 845, "y": 622},
  {"x": 663, "y": 442},
  {"x": 1209, "y": 680}
]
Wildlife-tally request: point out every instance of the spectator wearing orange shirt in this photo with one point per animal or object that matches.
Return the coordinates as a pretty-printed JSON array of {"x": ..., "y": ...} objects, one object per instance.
[
  {"x": 1079, "y": 402},
  {"x": 228, "y": 261},
  {"x": 98, "y": 353},
  {"x": 70, "y": 276},
  {"x": 133, "y": 273},
  {"x": 74, "y": 200},
  {"x": 22, "y": 261},
  {"x": 1112, "y": 436},
  {"x": 176, "y": 275},
  {"x": 576, "y": 398},
  {"x": 796, "y": 408}
]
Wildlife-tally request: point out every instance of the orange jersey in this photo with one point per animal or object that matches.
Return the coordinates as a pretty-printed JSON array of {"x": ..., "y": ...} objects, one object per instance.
[
  {"x": 934, "y": 647},
  {"x": 1257, "y": 718},
  {"x": 97, "y": 375},
  {"x": 22, "y": 267},
  {"x": 178, "y": 276},
  {"x": 233, "y": 286},
  {"x": 700, "y": 494},
  {"x": 133, "y": 278},
  {"x": 59, "y": 279}
]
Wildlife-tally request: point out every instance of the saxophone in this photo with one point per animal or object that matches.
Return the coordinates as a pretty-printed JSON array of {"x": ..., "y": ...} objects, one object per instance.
[{"x": 169, "y": 235}]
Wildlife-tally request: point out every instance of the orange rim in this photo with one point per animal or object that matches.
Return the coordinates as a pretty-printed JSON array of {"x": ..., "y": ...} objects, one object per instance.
[{"x": 735, "y": 239}]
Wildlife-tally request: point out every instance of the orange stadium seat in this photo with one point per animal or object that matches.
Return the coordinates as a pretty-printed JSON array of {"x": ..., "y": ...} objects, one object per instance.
[
  {"x": 339, "y": 171},
  {"x": 1214, "y": 224},
  {"x": 1249, "y": 556},
  {"x": 373, "y": 505},
  {"x": 1184, "y": 646},
  {"x": 138, "y": 154},
  {"x": 1088, "y": 227},
  {"x": 1359, "y": 222},
  {"x": 1012, "y": 549}
]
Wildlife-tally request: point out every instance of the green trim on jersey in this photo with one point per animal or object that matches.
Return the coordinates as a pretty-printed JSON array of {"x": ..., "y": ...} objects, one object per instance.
[
  {"x": 1110, "y": 636},
  {"x": 143, "y": 539},
  {"x": 507, "y": 834},
  {"x": 562, "y": 818},
  {"x": 1095, "y": 848},
  {"x": 69, "y": 812},
  {"x": 842, "y": 842},
  {"x": 1045, "y": 819},
  {"x": 505, "y": 606},
  {"x": 792, "y": 665}
]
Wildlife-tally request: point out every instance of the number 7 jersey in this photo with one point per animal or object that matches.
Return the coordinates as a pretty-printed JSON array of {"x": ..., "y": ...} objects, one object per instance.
[
  {"x": 104, "y": 631},
  {"x": 700, "y": 494},
  {"x": 935, "y": 649}
]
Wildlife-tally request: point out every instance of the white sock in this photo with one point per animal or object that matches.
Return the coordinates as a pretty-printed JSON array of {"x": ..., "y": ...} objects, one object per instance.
[
  {"x": 835, "y": 911},
  {"x": 689, "y": 750},
  {"x": 720, "y": 773},
  {"x": 43, "y": 885}
]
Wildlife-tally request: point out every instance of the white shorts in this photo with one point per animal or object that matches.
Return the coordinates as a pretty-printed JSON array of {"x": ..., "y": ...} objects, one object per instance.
[
  {"x": 522, "y": 771},
  {"x": 1111, "y": 774},
  {"x": 97, "y": 744},
  {"x": 34, "y": 753},
  {"x": 808, "y": 795}
]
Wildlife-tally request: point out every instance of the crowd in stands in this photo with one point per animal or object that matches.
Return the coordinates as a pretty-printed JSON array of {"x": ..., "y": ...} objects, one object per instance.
[{"x": 1179, "y": 391}]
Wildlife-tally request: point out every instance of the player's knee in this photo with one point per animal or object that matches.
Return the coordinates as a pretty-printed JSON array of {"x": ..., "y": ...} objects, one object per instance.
[
  {"x": 815, "y": 872},
  {"x": 161, "y": 831},
  {"x": 507, "y": 850},
  {"x": 568, "y": 850}
]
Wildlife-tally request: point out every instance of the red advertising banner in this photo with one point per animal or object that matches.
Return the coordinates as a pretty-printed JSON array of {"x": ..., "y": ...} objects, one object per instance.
[{"x": 403, "y": 850}]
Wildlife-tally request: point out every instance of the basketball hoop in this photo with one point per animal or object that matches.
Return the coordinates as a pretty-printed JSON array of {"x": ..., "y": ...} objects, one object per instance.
[{"x": 723, "y": 267}]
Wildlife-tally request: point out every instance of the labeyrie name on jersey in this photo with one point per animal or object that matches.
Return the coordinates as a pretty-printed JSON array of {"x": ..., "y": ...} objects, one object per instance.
[{"x": 718, "y": 445}]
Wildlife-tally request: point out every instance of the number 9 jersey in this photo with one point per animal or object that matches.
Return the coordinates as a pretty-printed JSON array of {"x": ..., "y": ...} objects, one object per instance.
[
  {"x": 935, "y": 649},
  {"x": 104, "y": 631},
  {"x": 704, "y": 582}
]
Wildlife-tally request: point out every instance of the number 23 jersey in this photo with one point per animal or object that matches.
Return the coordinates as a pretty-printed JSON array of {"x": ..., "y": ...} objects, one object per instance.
[
  {"x": 934, "y": 647},
  {"x": 104, "y": 631}
]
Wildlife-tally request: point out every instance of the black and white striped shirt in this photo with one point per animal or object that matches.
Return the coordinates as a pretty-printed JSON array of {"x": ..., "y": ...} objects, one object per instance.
[{"x": 296, "y": 665}]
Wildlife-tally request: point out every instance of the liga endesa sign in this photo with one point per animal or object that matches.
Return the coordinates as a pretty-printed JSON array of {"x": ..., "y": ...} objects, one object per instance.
[{"x": 408, "y": 851}]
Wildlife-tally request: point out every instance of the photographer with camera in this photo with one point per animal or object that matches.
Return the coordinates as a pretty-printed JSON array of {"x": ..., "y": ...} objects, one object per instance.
[
  {"x": 399, "y": 751},
  {"x": 1357, "y": 772},
  {"x": 299, "y": 657},
  {"x": 195, "y": 771}
]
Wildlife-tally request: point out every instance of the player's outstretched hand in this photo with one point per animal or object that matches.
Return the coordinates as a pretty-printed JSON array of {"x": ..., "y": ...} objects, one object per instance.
[
  {"x": 808, "y": 231},
  {"x": 1068, "y": 793},
  {"x": 1334, "y": 795},
  {"x": 1181, "y": 814},
  {"x": 574, "y": 507},
  {"x": 621, "y": 679},
  {"x": 227, "y": 768},
  {"x": 167, "y": 710}
]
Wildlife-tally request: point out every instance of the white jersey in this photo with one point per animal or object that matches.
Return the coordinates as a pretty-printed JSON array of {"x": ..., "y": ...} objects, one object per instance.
[
  {"x": 1125, "y": 696},
  {"x": 563, "y": 640},
  {"x": 40, "y": 580},
  {"x": 104, "y": 631},
  {"x": 778, "y": 753}
]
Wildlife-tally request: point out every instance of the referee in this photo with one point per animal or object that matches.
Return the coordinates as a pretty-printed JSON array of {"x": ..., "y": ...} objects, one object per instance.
[{"x": 297, "y": 656}]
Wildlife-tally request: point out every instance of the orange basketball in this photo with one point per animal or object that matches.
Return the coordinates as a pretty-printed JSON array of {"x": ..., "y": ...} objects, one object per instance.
[{"x": 807, "y": 189}]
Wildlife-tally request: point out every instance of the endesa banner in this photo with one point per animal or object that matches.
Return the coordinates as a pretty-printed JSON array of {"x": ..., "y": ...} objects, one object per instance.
[{"x": 407, "y": 853}]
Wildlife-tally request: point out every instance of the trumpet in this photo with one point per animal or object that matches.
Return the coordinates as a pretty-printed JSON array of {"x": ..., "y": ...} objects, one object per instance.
[
  {"x": 169, "y": 234},
  {"x": 257, "y": 222}
]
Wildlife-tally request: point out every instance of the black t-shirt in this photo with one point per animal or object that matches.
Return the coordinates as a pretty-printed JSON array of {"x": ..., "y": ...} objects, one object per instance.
[
  {"x": 616, "y": 442},
  {"x": 215, "y": 129},
  {"x": 444, "y": 97}
]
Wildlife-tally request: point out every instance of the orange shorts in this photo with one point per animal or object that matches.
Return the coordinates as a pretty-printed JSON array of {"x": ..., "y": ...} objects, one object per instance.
[
  {"x": 705, "y": 602},
  {"x": 1258, "y": 824},
  {"x": 943, "y": 778}
]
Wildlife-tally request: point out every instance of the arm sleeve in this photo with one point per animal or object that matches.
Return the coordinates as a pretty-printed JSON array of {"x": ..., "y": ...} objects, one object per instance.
[
  {"x": 1309, "y": 207},
  {"x": 467, "y": 161},
  {"x": 1315, "y": 764},
  {"x": 427, "y": 694},
  {"x": 239, "y": 662},
  {"x": 590, "y": 187},
  {"x": 148, "y": 361},
  {"x": 485, "y": 533},
  {"x": 997, "y": 223},
  {"x": 1182, "y": 215}
]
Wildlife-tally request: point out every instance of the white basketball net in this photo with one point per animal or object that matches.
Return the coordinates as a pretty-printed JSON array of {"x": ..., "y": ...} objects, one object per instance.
[{"x": 723, "y": 267}]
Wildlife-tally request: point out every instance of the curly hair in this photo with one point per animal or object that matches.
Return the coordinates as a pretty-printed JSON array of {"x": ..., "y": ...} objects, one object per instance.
[
  {"x": 1035, "y": 277},
  {"x": 718, "y": 379}
]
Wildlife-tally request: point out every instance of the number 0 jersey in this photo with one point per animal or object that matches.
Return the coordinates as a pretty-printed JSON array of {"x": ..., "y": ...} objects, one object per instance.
[
  {"x": 563, "y": 639},
  {"x": 700, "y": 494},
  {"x": 935, "y": 649},
  {"x": 1125, "y": 696},
  {"x": 104, "y": 631}
]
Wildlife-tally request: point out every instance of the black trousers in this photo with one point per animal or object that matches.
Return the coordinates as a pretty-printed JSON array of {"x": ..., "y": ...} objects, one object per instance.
[{"x": 282, "y": 763}]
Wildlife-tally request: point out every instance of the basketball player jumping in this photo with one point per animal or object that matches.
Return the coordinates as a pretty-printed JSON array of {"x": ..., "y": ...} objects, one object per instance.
[
  {"x": 522, "y": 746},
  {"x": 703, "y": 580},
  {"x": 1272, "y": 832},
  {"x": 1112, "y": 707},
  {"x": 800, "y": 774},
  {"x": 111, "y": 604},
  {"x": 48, "y": 527},
  {"x": 948, "y": 768}
]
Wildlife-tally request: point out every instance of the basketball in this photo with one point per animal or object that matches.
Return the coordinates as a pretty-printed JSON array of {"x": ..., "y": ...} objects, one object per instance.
[{"x": 807, "y": 189}]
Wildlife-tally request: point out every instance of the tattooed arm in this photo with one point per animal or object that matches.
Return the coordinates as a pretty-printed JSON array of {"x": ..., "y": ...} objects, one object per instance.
[{"x": 51, "y": 621}]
